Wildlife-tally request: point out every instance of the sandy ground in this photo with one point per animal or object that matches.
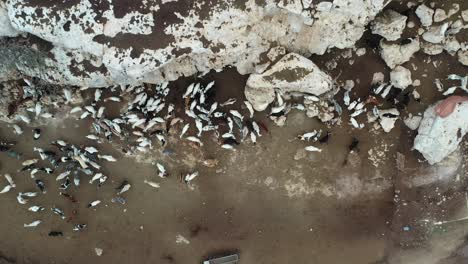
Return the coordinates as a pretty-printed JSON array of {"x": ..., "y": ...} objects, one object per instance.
[{"x": 270, "y": 202}]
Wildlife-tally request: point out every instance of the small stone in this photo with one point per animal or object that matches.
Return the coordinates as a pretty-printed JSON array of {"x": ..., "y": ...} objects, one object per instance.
[
  {"x": 432, "y": 49},
  {"x": 400, "y": 77},
  {"x": 410, "y": 24},
  {"x": 439, "y": 15},
  {"x": 416, "y": 82},
  {"x": 98, "y": 251},
  {"x": 395, "y": 54},
  {"x": 210, "y": 163},
  {"x": 389, "y": 24},
  {"x": 439, "y": 136},
  {"x": 279, "y": 120},
  {"x": 360, "y": 52},
  {"x": 349, "y": 84},
  {"x": 378, "y": 77},
  {"x": 464, "y": 15},
  {"x": 435, "y": 34},
  {"x": 455, "y": 8},
  {"x": 425, "y": 15},
  {"x": 415, "y": 93},
  {"x": 455, "y": 28},
  {"x": 412, "y": 122},
  {"x": 387, "y": 118},
  {"x": 452, "y": 45},
  {"x": 182, "y": 240}
]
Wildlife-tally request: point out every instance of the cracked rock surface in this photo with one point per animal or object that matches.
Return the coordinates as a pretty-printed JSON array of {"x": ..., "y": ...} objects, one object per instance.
[{"x": 112, "y": 42}]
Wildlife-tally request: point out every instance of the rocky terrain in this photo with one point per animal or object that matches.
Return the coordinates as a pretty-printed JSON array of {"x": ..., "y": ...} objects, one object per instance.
[{"x": 327, "y": 124}]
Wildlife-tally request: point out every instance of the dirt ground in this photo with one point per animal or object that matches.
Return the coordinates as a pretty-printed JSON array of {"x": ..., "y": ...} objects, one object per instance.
[{"x": 271, "y": 202}]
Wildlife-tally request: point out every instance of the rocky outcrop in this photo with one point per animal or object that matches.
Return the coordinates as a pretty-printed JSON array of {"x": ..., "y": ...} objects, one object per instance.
[
  {"x": 439, "y": 136},
  {"x": 116, "y": 42},
  {"x": 292, "y": 74}
]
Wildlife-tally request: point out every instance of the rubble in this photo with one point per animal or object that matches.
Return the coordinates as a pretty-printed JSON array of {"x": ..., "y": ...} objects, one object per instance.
[
  {"x": 439, "y": 136},
  {"x": 395, "y": 54},
  {"x": 425, "y": 15},
  {"x": 400, "y": 77},
  {"x": 293, "y": 73}
]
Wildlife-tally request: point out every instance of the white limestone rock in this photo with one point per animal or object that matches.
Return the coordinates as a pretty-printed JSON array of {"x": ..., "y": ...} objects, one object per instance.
[
  {"x": 293, "y": 73},
  {"x": 105, "y": 47},
  {"x": 387, "y": 118},
  {"x": 438, "y": 137},
  {"x": 412, "y": 121},
  {"x": 378, "y": 78},
  {"x": 6, "y": 30},
  {"x": 451, "y": 45},
  {"x": 435, "y": 34},
  {"x": 425, "y": 15},
  {"x": 395, "y": 54},
  {"x": 432, "y": 49},
  {"x": 455, "y": 27},
  {"x": 389, "y": 24},
  {"x": 360, "y": 52},
  {"x": 440, "y": 15},
  {"x": 400, "y": 77}
]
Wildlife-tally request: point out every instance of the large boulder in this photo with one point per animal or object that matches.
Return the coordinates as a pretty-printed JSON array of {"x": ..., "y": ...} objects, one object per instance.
[
  {"x": 293, "y": 73},
  {"x": 439, "y": 136},
  {"x": 118, "y": 42}
]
